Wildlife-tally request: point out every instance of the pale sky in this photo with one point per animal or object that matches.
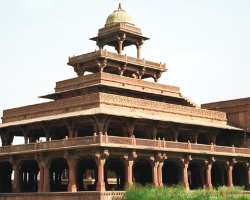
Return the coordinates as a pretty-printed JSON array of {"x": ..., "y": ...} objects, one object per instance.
[{"x": 205, "y": 44}]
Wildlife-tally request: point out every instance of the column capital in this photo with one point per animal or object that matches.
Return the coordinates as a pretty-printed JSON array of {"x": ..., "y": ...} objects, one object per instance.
[
  {"x": 102, "y": 155},
  {"x": 130, "y": 156},
  {"x": 209, "y": 161},
  {"x": 186, "y": 159},
  {"x": 231, "y": 162}
]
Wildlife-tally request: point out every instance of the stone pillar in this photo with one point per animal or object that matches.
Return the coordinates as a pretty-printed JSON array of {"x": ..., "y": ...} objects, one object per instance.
[
  {"x": 154, "y": 164},
  {"x": 208, "y": 168},
  {"x": 138, "y": 48},
  {"x": 16, "y": 181},
  {"x": 159, "y": 173},
  {"x": 41, "y": 181},
  {"x": 100, "y": 162},
  {"x": 46, "y": 175},
  {"x": 129, "y": 172},
  {"x": 129, "y": 162},
  {"x": 229, "y": 166},
  {"x": 72, "y": 187},
  {"x": 185, "y": 163},
  {"x": 44, "y": 183},
  {"x": 120, "y": 43}
]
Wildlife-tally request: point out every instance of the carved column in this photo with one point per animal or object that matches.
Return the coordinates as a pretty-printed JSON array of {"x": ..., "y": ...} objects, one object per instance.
[
  {"x": 161, "y": 159},
  {"x": 101, "y": 65},
  {"x": 41, "y": 181},
  {"x": 208, "y": 168},
  {"x": 72, "y": 187},
  {"x": 120, "y": 40},
  {"x": 6, "y": 138},
  {"x": 185, "y": 164},
  {"x": 44, "y": 183},
  {"x": 229, "y": 167},
  {"x": 16, "y": 181},
  {"x": 138, "y": 48},
  {"x": 129, "y": 162},
  {"x": 131, "y": 127},
  {"x": 154, "y": 165},
  {"x": 71, "y": 129},
  {"x": 100, "y": 162},
  {"x": 46, "y": 179},
  {"x": 100, "y": 124}
]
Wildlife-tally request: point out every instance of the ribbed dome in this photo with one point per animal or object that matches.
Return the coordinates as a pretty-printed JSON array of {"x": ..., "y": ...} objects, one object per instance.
[{"x": 119, "y": 16}]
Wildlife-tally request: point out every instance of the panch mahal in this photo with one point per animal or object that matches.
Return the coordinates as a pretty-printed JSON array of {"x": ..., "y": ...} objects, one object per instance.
[{"x": 111, "y": 127}]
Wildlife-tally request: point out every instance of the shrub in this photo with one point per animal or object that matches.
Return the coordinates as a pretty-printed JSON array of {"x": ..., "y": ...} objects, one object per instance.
[{"x": 179, "y": 193}]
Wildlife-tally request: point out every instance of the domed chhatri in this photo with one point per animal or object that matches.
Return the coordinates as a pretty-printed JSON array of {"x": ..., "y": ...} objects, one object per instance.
[
  {"x": 119, "y": 16},
  {"x": 119, "y": 32}
]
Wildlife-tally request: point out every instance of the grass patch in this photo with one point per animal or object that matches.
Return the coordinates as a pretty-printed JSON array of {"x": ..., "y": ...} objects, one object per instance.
[{"x": 179, "y": 193}]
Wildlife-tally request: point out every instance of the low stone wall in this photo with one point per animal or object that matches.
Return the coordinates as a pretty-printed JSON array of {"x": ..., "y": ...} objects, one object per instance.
[{"x": 115, "y": 195}]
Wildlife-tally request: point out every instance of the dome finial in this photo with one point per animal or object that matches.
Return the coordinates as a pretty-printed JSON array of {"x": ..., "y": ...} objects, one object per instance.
[{"x": 120, "y": 6}]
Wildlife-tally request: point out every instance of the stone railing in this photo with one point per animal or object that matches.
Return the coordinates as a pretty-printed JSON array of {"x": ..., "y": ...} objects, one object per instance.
[
  {"x": 122, "y": 58},
  {"x": 125, "y": 142},
  {"x": 114, "y": 195}
]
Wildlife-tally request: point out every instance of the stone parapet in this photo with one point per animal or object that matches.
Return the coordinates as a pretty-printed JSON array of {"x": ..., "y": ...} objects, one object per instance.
[{"x": 126, "y": 143}]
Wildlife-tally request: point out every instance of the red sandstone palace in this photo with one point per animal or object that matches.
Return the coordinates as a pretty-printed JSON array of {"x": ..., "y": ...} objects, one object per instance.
[{"x": 109, "y": 128}]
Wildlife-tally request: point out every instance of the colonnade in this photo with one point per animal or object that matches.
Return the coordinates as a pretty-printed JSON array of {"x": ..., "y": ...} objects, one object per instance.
[{"x": 103, "y": 171}]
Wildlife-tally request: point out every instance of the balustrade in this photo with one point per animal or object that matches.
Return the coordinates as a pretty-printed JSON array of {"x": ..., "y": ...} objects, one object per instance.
[{"x": 81, "y": 142}]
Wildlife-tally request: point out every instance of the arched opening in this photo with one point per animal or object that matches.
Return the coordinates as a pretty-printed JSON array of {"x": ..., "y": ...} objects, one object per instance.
[
  {"x": 5, "y": 177},
  {"x": 171, "y": 172},
  {"x": 203, "y": 139},
  {"x": 196, "y": 175},
  {"x": 218, "y": 174},
  {"x": 239, "y": 174},
  {"x": 59, "y": 172},
  {"x": 117, "y": 128},
  {"x": 114, "y": 174},
  {"x": 86, "y": 175},
  {"x": 142, "y": 172},
  {"x": 28, "y": 176}
]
